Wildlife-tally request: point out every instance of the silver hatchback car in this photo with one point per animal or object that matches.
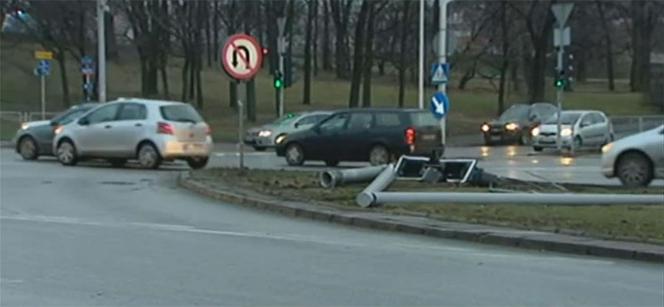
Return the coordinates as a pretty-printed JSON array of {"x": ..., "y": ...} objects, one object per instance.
[{"x": 150, "y": 131}]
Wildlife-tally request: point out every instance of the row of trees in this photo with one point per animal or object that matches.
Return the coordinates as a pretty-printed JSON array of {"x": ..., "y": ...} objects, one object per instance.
[{"x": 504, "y": 41}]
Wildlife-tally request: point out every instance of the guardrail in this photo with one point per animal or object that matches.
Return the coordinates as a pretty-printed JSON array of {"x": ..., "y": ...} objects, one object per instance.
[
  {"x": 626, "y": 125},
  {"x": 20, "y": 117}
]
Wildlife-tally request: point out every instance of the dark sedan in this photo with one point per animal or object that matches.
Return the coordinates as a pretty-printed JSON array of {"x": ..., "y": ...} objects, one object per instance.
[
  {"x": 35, "y": 138},
  {"x": 375, "y": 135},
  {"x": 515, "y": 124}
]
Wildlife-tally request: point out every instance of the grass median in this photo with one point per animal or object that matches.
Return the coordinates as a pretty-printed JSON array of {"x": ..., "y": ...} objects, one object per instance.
[{"x": 624, "y": 222}]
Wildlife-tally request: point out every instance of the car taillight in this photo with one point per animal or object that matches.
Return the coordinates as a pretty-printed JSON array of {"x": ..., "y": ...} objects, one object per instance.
[
  {"x": 410, "y": 136},
  {"x": 164, "y": 128}
]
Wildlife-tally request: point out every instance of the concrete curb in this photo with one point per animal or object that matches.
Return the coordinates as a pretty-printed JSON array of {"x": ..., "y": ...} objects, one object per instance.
[{"x": 421, "y": 225}]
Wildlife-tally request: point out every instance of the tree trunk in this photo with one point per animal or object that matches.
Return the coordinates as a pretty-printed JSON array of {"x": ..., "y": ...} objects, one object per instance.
[
  {"x": 641, "y": 45},
  {"x": 504, "y": 66},
  {"x": 251, "y": 96},
  {"x": 164, "y": 82},
  {"x": 341, "y": 13},
  {"x": 111, "y": 41},
  {"x": 215, "y": 31},
  {"x": 327, "y": 64},
  {"x": 369, "y": 55},
  {"x": 403, "y": 44},
  {"x": 61, "y": 58},
  {"x": 358, "y": 56},
  {"x": 185, "y": 79},
  {"x": 306, "y": 97},
  {"x": 315, "y": 38},
  {"x": 208, "y": 32},
  {"x": 608, "y": 46}
]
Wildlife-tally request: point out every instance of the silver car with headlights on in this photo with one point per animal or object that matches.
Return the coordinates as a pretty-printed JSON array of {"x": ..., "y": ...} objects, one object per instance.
[
  {"x": 268, "y": 136},
  {"x": 149, "y": 131},
  {"x": 578, "y": 129},
  {"x": 637, "y": 159}
]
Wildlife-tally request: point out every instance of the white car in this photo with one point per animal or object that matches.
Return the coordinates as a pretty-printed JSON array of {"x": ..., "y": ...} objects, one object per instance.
[
  {"x": 637, "y": 159},
  {"x": 578, "y": 129},
  {"x": 269, "y": 135},
  {"x": 130, "y": 128}
]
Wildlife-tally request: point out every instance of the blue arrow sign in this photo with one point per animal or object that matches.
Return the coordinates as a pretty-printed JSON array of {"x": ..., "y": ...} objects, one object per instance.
[
  {"x": 43, "y": 68},
  {"x": 440, "y": 73},
  {"x": 440, "y": 105}
]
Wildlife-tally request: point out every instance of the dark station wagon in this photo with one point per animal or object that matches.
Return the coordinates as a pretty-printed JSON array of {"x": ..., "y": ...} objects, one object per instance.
[{"x": 375, "y": 135}]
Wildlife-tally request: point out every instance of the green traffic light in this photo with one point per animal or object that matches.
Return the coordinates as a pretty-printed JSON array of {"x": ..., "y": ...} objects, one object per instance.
[
  {"x": 278, "y": 83},
  {"x": 560, "y": 83}
]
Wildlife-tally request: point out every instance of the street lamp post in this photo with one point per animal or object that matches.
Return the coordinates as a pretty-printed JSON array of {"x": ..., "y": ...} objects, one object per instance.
[{"x": 101, "y": 50}]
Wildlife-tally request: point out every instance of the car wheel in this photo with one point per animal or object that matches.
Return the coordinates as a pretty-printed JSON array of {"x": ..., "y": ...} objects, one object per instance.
[
  {"x": 634, "y": 170},
  {"x": 537, "y": 148},
  {"x": 66, "y": 153},
  {"x": 148, "y": 156},
  {"x": 331, "y": 163},
  {"x": 117, "y": 162},
  {"x": 197, "y": 162},
  {"x": 27, "y": 148},
  {"x": 379, "y": 155},
  {"x": 259, "y": 148},
  {"x": 294, "y": 154}
]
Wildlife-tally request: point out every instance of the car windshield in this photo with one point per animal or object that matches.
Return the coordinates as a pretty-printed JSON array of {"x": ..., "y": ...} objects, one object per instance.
[
  {"x": 566, "y": 118},
  {"x": 284, "y": 120},
  {"x": 70, "y": 115},
  {"x": 180, "y": 113},
  {"x": 515, "y": 112},
  {"x": 422, "y": 119}
]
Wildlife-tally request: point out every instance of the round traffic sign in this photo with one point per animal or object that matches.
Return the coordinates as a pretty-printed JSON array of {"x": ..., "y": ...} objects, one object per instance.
[
  {"x": 440, "y": 105},
  {"x": 242, "y": 56}
]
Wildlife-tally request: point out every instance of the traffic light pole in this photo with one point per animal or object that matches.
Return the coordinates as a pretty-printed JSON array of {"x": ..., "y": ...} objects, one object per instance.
[
  {"x": 281, "y": 88},
  {"x": 281, "y": 49},
  {"x": 559, "y": 96}
]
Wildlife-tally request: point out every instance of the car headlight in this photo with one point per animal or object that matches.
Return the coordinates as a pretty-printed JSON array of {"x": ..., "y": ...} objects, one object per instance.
[
  {"x": 280, "y": 139},
  {"x": 25, "y": 126},
  {"x": 264, "y": 133},
  {"x": 566, "y": 132},
  {"x": 485, "y": 128},
  {"x": 535, "y": 131},
  {"x": 58, "y": 130},
  {"x": 606, "y": 148},
  {"x": 512, "y": 126}
]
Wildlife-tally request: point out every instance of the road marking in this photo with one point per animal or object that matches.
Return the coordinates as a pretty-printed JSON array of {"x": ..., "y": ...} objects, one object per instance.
[{"x": 236, "y": 154}]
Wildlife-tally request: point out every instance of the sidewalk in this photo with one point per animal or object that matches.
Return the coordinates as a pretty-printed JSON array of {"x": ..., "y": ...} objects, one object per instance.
[{"x": 425, "y": 226}]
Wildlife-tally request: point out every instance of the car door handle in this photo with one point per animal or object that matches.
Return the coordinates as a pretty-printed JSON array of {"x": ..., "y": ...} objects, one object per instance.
[
  {"x": 108, "y": 126},
  {"x": 138, "y": 125}
]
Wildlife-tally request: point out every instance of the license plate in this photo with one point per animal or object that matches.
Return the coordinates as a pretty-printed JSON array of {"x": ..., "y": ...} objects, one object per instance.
[
  {"x": 428, "y": 137},
  {"x": 187, "y": 147}
]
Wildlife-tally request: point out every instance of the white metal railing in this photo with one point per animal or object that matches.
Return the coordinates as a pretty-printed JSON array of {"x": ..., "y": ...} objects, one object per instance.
[{"x": 624, "y": 125}]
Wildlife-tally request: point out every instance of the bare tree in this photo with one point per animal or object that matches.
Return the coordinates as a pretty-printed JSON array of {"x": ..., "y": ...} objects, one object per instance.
[
  {"x": 341, "y": 11},
  {"x": 358, "y": 54},
  {"x": 306, "y": 97}
]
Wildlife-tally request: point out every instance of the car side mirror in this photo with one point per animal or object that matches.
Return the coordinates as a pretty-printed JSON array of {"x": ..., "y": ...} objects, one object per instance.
[
  {"x": 583, "y": 125},
  {"x": 54, "y": 123},
  {"x": 297, "y": 125},
  {"x": 83, "y": 121}
]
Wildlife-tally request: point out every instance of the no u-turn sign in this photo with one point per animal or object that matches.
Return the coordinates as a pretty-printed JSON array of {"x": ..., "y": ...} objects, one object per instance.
[{"x": 242, "y": 56}]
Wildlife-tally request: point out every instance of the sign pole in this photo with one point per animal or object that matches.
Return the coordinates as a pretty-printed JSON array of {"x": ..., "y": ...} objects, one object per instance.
[
  {"x": 442, "y": 57},
  {"x": 43, "y": 97},
  {"x": 420, "y": 81},
  {"x": 240, "y": 110},
  {"x": 561, "y": 12}
]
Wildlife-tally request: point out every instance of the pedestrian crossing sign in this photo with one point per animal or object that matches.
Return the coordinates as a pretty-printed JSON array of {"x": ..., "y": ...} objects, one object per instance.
[{"x": 439, "y": 73}]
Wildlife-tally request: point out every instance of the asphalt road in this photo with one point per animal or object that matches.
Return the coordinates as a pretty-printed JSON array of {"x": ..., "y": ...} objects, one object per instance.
[
  {"x": 518, "y": 162},
  {"x": 92, "y": 235}
]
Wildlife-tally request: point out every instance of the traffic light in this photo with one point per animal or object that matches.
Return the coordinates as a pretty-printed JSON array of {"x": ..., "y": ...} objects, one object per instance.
[
  {"x": 561, "y": 80},
  {"x": 278, "y": 80}
]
